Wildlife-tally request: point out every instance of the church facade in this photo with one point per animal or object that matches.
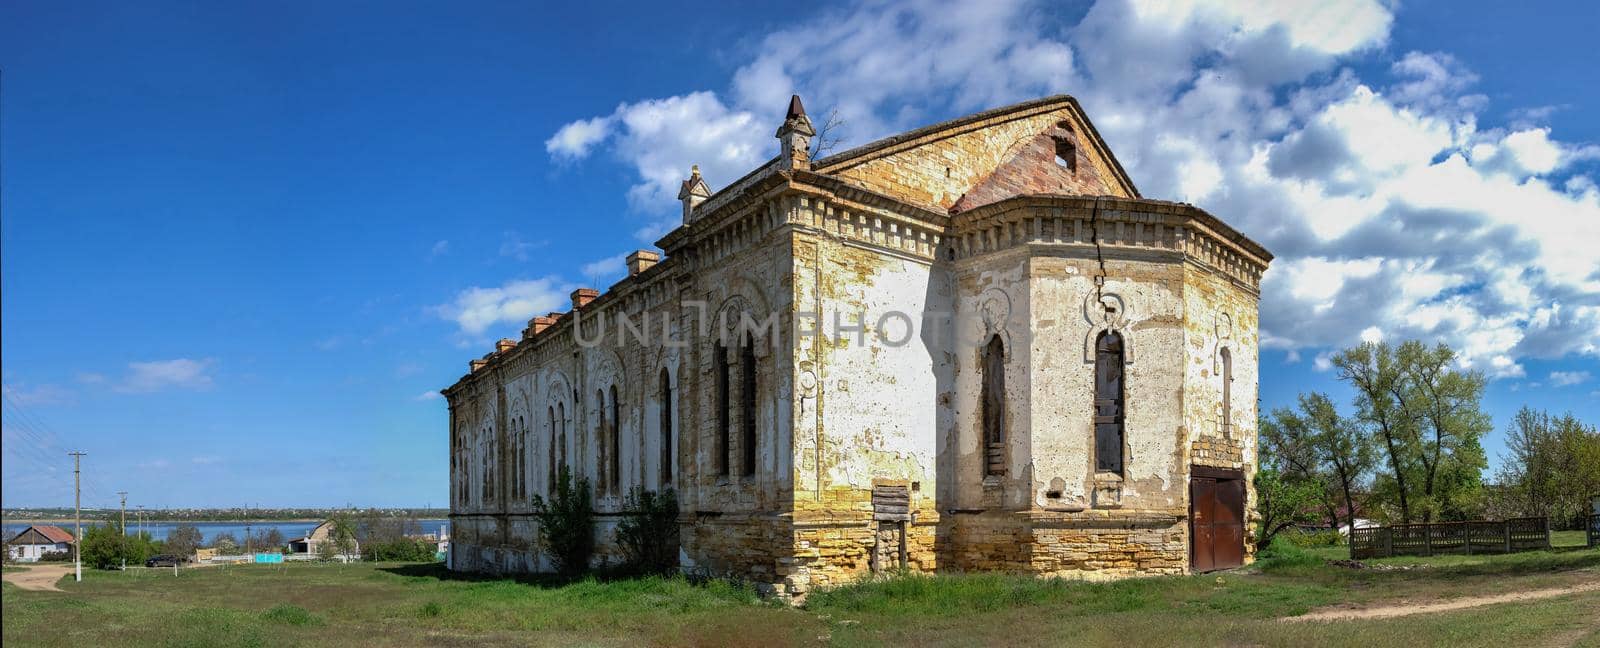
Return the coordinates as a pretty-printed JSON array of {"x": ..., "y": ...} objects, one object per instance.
[{"x": 972, "y": 346}]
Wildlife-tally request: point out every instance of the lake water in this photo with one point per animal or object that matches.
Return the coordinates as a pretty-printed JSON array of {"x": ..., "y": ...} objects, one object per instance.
[{"x": 211, "y": 530}]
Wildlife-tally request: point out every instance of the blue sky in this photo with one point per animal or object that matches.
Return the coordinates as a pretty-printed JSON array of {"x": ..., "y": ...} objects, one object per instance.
[{"x": 242, "y": 246}]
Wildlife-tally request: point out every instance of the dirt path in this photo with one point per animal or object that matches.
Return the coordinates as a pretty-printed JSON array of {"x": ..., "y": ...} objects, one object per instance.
[
  {"x": 39, "y": 577},
  {"x": 1407, "y": 609}
]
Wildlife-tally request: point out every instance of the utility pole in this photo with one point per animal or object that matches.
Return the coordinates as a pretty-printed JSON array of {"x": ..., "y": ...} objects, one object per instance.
[
  {"x": 141, "y": 520},
  {"x": 124, "y": 552},
  {"x": 247, "y": 529},
  {"x": 77, "y": 516}
]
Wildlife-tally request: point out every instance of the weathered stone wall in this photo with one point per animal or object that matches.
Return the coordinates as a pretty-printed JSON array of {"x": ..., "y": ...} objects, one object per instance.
[{"x": 936, "y": 170}]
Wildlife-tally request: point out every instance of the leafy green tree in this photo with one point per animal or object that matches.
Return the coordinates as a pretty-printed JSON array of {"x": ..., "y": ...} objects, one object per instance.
[
  {"x": 183, "y": 540},
  {"x": 1426, "y": 415},
  {"x": 566, "y": 523},
  {"x": 343, "y": 534},
  {"x": 1552, "y": 468},
  {"x": 648, "y": 532},
  {"x": 105, "y": 547},
  {"x": 1283, "y": 503},
  {"x": 1336, "y": 453}
]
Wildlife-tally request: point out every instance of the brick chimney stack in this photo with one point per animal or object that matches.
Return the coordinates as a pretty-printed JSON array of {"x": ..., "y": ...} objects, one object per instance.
[
  {"x": 582, "y": 296},
  {"x": 795, "y": 134},
  {"x": 537, "y": 325},
  {"x": 642, "y": 260},
  {"x": 477, "y": 364},
  {"x": 504, "y": 345},
  {"x": 693, "y": 192}
]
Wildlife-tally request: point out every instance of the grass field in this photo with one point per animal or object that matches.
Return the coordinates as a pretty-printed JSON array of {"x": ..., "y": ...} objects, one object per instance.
[{"x": 401, "y": 604}]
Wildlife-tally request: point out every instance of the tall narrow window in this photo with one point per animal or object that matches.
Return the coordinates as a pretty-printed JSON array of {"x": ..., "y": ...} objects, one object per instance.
[
  {"x": 615, "y": 441},
  {"x": 665, "y": 467},
  {"x": 994, "y": 407},
  {"x": 747, "y": 405},
  {"x": 550, "y": 465},
  {"x": 723, "y": 446},
  {"x": 1108, "y": 405},
  {"x": 602, "y": 461},
  {"x": 561, "y": 436},
  {"x": 1227, "y": 391}
]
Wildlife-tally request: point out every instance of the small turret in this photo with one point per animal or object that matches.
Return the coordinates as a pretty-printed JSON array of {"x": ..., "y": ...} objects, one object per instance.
[
  {"x": 795, "y": 135},
  {"x": 693, "y": 192}
]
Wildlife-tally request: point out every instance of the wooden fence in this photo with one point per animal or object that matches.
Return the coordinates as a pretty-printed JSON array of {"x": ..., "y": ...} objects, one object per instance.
[
  {"x": 1594, "y": 530},
  {"x": 1477, "y": 537}
]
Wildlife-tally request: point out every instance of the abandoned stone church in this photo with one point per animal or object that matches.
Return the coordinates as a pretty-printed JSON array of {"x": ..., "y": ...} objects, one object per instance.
[{"x": 972, "y": 346}]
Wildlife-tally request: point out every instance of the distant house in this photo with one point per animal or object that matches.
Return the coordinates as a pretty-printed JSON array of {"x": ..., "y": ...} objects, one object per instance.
[
  {"x": 38, "y": 540},
  {"x": 312, "y": 542}
]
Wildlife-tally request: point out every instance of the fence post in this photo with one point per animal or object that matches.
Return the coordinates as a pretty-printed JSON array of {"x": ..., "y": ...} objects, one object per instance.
[
  {"x": 1427, "y": 539},
  {"x": 1505, "y": 525},
  {"x": 1388, "y": 543},
  {"x": 1466, "y": 536}
]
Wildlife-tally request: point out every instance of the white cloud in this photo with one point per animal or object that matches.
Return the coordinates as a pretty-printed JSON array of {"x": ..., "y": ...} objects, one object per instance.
[
  {"x": 1568, "y": 378},
  {"x": 158, "y": 375},
  {"x": 476, "y": 309},
  {"x": 1390, "y": 207},
  {"x": 602, "y": 271},
  {"x": 429, "y": 395},
  {"x": 439, "y": 249},
  {"x": 574, "y": 140}
]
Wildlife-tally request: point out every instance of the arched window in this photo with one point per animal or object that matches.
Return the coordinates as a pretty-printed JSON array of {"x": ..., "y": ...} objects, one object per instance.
[
  {"x": 615, "y": 442},
  {"x": 602, "y": 461},
  {"x": 550, "y": 466},
  {"x": 665, "y": 467},
  {"x": 1108, "y": 403},
  {"x": 747, "y": 405},
  {"x": 561, "y": 436},
  {"x": 1227, "y": 391},
  {"x": 994, "y": 407},
  {"x": 723, "y": 433}
]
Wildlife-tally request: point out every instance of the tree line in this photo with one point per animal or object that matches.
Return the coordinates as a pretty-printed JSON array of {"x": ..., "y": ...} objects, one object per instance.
[{"x": 1410, "y": 450}]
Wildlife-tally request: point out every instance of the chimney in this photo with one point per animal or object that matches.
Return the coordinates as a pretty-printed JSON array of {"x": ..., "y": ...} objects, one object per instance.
[
  {"x": 582, "y": 296},
  {"x": 693, "y": 192},
  {"x": 642, "y": 260},
  {"x": 504, "y": 345},
  {"x": 477, "y": 364},
  {"x": 537, "y": 325},
  {"x": 795, "y": 134}
]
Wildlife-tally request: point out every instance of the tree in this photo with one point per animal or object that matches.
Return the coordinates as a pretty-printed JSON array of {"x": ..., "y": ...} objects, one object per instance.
[
  {"x": 648, "y": 531},
  {"x": 1283, "y": 503},
  {"x": 1372, "y": 370},
  {"x": 828, "y": 136},
  {"x": 1290, "y": 453},
  {"x": 343, "y": 534},
  {"x": 566, "y": 523},
  {"x": 1552, "y": 468},
  {"x": 1426, "y": 415},
  {"x": 1448, "y": 403},
  {"x": 225, "y": 543},
  {"x": 1324, "y": 447},
  {"x": 183, "y": 540},
  {"x": 105, "y": 547}
]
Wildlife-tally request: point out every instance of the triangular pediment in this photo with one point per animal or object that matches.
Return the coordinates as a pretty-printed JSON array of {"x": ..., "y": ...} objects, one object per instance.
[{"x": 987, "y": 157}]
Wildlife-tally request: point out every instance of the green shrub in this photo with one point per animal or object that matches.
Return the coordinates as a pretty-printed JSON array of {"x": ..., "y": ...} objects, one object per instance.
[
  {"x": 430, "y": 610},
  {"x": 291, "y": 615},
  {"x": 648, "y": 534},
  {"x": 1326, "y": 538},
  {"x": 1284, "y": 555},
  {"x": 399, "y": 550},
  {"x": 566, "y": 524}
]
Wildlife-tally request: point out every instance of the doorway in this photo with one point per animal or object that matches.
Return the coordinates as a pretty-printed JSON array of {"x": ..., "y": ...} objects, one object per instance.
[{"x": 1216, "y": 519}]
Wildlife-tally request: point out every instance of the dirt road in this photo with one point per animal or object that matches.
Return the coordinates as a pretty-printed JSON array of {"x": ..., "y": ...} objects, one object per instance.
[
  {"x": 40, "y": 576},
  {"x": 1410, "y": 608}
]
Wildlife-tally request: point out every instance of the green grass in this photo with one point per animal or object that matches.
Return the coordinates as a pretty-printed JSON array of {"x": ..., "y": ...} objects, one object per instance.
[
  {"x": 11, "y": 569},
  {"x": 395, "y": 604}
]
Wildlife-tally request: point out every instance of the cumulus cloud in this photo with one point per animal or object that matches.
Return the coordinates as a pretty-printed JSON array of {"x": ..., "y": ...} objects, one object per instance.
[
  {"x": 161, "y": 375},
  {"x": 1568, "y": 378},
  {"x": 1393, "y": 205},
  {"x": 602, "y": 271},
  {"x": 476, "y": 309}
]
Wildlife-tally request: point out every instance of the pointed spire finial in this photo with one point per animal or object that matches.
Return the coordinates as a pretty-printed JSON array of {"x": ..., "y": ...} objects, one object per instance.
[{"x": 796, "y": 109}]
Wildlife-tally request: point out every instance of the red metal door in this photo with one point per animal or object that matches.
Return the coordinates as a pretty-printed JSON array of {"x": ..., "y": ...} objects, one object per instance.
[
  {"x": 1227, "y": 525},
  {"x": 1202, "y": 501}
]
